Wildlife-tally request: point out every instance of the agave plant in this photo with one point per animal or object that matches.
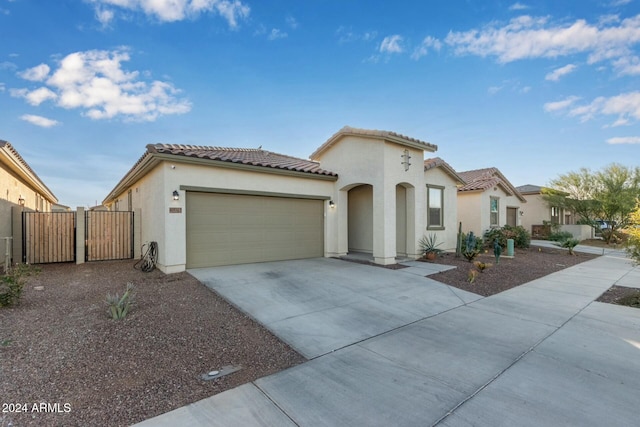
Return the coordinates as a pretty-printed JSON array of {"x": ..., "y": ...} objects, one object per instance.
[
  {"x": 429, "y": 245},
  {"x": 118, "y": 305}
]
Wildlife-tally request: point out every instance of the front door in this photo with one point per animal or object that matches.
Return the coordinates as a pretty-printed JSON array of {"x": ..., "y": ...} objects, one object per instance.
[{"x": 512, "y": 216}]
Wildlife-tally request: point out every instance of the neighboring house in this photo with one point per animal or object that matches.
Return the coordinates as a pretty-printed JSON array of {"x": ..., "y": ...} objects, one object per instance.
[
  {"x": 19, "y": 187},
  {"x": 362, "y": 191},
  {"x": 442, "y": 206},
  {"x": 488, "y": 200},
  {"x": 57, "y": 207},
  {"x": 538, "y": 211}
]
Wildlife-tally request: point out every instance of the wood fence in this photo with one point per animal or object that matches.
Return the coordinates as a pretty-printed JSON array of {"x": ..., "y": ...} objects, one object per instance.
[
  {"x": 48, "y": 237},
  {"x": 109, "y": 235}
]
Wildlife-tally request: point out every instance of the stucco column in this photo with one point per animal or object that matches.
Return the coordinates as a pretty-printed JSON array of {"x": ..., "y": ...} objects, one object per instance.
[
  {"x": 414, "y": 221},
  {"x": 16, "y": 225},
  {"x": 384, "y": 224}
]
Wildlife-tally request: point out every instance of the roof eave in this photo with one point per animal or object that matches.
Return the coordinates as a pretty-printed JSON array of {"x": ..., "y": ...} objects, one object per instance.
[
  {"x": 16, "y": 163},
  {"x": 152, "y": 159},
  {"x": 389, "y": 138}
]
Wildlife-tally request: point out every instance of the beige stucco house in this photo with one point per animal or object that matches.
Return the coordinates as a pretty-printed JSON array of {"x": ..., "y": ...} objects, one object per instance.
[
  {"x": 488, "y": 200},
  {"x": 361, "y": 191},
  {"x": 442, "y": 183},
  {"x": 20, "y": 187},
  {"x": 538, "y": 211}
]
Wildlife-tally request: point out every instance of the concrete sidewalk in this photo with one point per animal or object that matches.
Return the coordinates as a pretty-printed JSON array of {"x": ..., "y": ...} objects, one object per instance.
[{"x": 540, "y": 354}]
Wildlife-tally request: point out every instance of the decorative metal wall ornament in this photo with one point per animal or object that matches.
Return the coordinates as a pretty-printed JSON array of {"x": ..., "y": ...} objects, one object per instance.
[{"x": 405, "y": 159}]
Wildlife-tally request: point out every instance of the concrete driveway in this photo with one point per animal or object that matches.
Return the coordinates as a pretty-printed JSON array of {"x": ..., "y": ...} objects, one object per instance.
[
  {"x": 321, "y": 305},
  {"x": 412, "y": 352}
]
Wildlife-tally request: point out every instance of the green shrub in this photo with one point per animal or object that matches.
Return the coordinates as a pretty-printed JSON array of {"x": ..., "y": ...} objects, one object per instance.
[
  {"x": 521, "y": 237},
  {"x": 568, "y": 244},
  {"x": 12, "y": 283},
  {"x": 118, "y": 305},
  {"x": 560, "y": 236}
]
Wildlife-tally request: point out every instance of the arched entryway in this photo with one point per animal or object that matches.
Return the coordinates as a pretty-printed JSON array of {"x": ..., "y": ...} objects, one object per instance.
[{"x": 360, "y": 219}]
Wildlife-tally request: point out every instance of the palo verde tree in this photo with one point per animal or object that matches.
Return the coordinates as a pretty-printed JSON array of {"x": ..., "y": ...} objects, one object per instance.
[{"x": 609, "y": 194}]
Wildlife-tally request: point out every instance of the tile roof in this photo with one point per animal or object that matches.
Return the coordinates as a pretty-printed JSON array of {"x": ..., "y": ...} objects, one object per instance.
[
  {"x": 438, "y": 162},
  {"x": 529, "y": 189},
  {"x": 484, "y": 179},
  {"x": 377, "y": 134},
  {"x": 246, "y": 156}
]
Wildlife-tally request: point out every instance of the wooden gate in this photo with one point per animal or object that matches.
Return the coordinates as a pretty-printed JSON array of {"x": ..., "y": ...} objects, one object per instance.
[
  {"x": 108, "y": 235},
  {"x": 48, "y": 237}
]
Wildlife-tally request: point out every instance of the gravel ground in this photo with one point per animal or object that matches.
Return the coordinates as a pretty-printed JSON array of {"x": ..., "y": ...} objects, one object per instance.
[
  {"x": 622, "y": 296},
  {"x": 58, "y": 346},
  {"x": 527, "y": 265}
]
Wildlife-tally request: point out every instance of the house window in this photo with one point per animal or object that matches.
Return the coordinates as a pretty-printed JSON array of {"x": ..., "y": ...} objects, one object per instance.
[
  {"x": 494, "y": 213},
  {"x": 435, "y": 204},
  {"x": 555, "y": 215}
]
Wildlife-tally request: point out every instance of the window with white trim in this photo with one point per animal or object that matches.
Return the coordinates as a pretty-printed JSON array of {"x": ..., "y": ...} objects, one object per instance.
[
  {"x": 494, "y": 210},
  {"x": 435, "y": 207}
]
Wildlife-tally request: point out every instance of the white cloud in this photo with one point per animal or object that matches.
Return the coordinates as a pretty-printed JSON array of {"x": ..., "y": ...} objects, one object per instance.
[
  {"x": 629, "y": 65},
  {"x": 556, "y": 74},
  {"x": 39, "y": 120},
  {"x": 391, "y": 44},
  {"x": 105, "y": 16},
  {"x": 292, "y": 22},
  {"x": 276, "y": 34},
  {"x": 2, "y": 87},
  {"x": 428, "y": 43},
  {"x": 95, "y": 82},
  {"x": 560, "y": 105},
  {"x": 624, "y": 140},
  {"x": 347, "y": 35},
  {"x": 518, "y": 6},
  {"x": 528, "y": 37},
  {"x": 35, "y": 74},
  {"x": 174, "y": 10},
  {"x": 625, "y": 107}
]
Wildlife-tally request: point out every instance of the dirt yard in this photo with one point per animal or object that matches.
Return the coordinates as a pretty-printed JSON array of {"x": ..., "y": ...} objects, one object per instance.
[
  {"x": 59, "y": 347},
  {"x": 527, "y": 265}
]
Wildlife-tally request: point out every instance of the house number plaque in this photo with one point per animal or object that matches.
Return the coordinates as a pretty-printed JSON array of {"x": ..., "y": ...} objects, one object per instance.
[{"x": 175, "y": 210}]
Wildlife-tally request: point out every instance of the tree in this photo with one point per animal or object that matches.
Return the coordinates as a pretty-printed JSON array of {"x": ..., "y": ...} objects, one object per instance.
[
  {"x": 633, "y": 248},
  {"x": 609, "y": 195}
]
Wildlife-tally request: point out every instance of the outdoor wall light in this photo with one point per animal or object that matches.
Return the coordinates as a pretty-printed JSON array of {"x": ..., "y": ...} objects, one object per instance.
[
  {"x": 521, "y": 213},
  {"x": 21, "y": 200},
  {"x": 331, "y": 204},
  {"x": 176, "y": 195}
]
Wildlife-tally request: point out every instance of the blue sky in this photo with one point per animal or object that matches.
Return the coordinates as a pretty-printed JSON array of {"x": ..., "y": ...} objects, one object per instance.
[{"x": 535, "y": 89}]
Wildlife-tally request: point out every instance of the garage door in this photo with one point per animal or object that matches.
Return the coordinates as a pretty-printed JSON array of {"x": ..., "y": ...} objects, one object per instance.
[{"x": 225, "y": 229}]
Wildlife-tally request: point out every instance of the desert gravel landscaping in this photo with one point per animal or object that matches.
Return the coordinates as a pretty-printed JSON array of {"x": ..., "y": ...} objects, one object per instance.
[{"x": 58, "y": 345}]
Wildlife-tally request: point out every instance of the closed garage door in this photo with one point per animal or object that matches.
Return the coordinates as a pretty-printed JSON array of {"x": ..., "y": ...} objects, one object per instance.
[{"x": 225, "y": 229}]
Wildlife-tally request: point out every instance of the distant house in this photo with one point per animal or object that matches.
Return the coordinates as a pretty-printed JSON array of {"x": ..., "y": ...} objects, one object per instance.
[
  {"x": 19, "y": 187},
  {"x": 539, "y": 212},
  {"x": 362, "y": 190},
  {"x": 57, "y": 207},
  {"x": 442, "y": 206},
  {"x": 488, "y": 200}
]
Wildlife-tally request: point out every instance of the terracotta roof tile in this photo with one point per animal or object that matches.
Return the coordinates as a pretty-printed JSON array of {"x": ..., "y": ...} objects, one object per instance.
[
  {"x": 484, "y": 179},
  {"x": 438, "y": 162},
  {"x": 247, "y": 156}
]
